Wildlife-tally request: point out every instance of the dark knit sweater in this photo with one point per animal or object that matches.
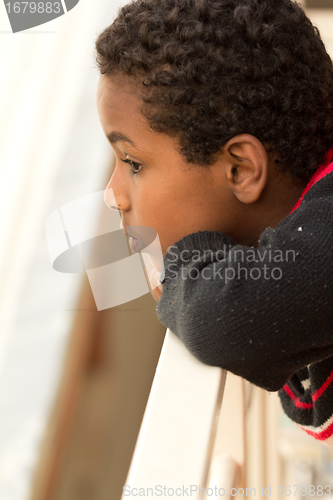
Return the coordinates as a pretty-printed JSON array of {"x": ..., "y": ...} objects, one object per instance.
[{"x": 264, "y": 313}]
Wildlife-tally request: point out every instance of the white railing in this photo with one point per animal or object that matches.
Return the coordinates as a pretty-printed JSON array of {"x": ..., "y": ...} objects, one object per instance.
[{"x": 176, "y": 446}]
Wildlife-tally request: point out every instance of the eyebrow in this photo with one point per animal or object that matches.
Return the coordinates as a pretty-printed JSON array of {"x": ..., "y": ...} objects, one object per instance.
[{"x": 118, "y": 136}]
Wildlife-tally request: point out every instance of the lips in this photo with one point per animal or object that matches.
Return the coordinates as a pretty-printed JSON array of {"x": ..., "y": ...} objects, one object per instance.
[
  {"x": 135, "y": 244},
  {"x": 139, "y": 237}
]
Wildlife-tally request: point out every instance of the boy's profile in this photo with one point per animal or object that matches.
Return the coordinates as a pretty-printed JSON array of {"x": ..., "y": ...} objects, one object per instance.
[{"x": 220, "y": 114}]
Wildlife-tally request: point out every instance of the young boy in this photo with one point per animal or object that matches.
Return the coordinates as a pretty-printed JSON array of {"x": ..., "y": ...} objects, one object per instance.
[{"x": 220, "y": 113}]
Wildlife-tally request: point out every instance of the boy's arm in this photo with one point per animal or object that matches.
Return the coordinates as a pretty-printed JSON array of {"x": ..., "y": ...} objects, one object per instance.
[{"x": 262, "y": 313}]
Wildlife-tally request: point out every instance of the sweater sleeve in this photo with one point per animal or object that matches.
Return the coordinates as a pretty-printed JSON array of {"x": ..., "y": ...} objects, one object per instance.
[{"x": 261, "y": 313}]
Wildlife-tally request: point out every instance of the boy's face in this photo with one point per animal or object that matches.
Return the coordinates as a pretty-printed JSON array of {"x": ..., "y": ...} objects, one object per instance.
[{"x": 167, "y": 193}]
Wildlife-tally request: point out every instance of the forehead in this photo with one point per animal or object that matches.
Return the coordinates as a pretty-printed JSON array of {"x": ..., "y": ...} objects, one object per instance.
[
  {"x": 117, "y": 90},
  {"x": 119, "y": 107},
  {"x": 119, "y": 103}
]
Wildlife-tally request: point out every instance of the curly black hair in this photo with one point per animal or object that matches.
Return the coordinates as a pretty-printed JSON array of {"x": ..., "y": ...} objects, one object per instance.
[{"x": 212, "y": 69}]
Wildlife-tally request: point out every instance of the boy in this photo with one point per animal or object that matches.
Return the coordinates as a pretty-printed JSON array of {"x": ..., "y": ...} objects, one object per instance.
[{"x": 220, "y": 113}]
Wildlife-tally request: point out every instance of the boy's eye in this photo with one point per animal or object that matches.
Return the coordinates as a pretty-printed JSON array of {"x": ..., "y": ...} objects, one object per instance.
[{"x": 136, "y": 167}]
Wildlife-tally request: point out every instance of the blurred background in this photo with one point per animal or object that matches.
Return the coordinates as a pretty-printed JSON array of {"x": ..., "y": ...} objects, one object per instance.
[{"x": 74, "y": 382}]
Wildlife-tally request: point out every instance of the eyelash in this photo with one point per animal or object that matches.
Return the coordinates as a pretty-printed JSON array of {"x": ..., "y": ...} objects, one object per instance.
[{"x": 133, "y": 165}]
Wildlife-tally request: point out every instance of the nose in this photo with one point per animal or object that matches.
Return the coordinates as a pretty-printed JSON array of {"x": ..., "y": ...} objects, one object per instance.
[{"x": 115, "y": 196}]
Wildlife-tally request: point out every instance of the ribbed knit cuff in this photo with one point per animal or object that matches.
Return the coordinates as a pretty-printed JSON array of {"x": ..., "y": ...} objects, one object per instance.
[{"x": 189, "y": 247}]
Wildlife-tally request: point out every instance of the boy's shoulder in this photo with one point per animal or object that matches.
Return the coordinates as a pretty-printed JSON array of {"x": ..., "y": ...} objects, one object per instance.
[
  {"x": 312, "y": 217},
  {"x": 323, "y": 189}
]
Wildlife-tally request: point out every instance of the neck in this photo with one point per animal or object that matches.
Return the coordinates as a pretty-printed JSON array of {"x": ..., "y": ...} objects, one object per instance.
[{"x": 275, "y": 204}]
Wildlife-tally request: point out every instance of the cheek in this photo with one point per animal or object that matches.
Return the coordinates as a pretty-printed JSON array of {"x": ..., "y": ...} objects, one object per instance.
[{"x": 152, "y": 203}]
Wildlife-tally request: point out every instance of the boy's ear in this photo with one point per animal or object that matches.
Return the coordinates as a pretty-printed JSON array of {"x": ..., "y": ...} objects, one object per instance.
[{"x": 247, "y": 167}]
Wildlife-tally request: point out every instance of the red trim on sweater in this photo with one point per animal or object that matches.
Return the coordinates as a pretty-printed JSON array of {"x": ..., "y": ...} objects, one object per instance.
[
  {"x": 298, "y": 403},
  {"x": 323, "y": 170},
  {"x": 323, "y": 388},
  {"x": 316, "y": 395},
  {"x": 325, "y": 434}
]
